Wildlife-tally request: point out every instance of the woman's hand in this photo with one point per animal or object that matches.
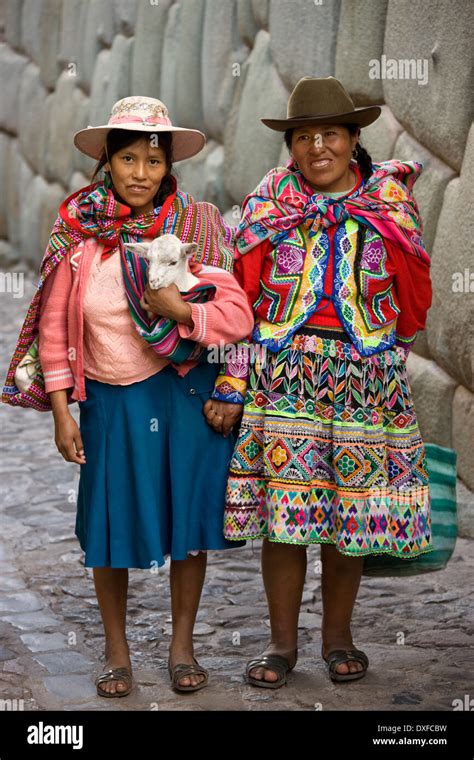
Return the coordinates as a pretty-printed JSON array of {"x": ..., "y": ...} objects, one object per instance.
[
  {"x": 167, "y": 302},
  {"x": 68, "y": 438},
  {"x": 222, "y": 415}
]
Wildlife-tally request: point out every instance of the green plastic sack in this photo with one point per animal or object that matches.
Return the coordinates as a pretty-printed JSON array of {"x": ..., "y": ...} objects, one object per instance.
[{"x": 441, "y": 467}]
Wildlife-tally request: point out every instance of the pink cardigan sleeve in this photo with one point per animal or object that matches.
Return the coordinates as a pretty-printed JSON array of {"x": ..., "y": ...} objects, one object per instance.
[
  {"x": 226, "y": 318},
  {"x": 53, "y": 334}
]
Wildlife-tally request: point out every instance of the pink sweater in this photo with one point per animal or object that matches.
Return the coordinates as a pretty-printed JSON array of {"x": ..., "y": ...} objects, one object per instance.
[
  {"x": 225, "y": 319},
  {"x": 113, "y": 350}
]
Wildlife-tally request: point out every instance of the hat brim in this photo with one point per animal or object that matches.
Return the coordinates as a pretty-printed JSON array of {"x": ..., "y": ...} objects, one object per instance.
[
  {"x": 361, "y": 116},
  {"x": 186, "y": 142}
]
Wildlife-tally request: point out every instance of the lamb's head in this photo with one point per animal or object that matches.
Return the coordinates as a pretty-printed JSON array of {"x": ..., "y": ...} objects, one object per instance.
[{"x": 168, "y": 260}]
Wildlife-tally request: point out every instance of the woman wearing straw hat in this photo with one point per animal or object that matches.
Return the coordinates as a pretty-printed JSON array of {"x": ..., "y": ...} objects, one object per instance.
[
  {"x": 329, "y": 452},
  {"x": 152, "y": 472}
]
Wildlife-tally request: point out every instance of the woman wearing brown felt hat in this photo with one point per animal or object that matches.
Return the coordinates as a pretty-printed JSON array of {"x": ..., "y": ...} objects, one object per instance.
[{"x": 330, "y": 254}]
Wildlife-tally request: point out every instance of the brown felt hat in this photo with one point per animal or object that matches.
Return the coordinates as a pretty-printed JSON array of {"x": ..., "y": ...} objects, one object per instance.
[{"x": 322, "y": 100}]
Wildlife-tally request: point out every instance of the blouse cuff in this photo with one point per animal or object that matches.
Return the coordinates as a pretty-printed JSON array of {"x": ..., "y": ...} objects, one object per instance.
[
  {"x": 231, "y": 382},
  {"x": 229, "y": 389},
  {"x": 57, "y": 377},
  {"x": 404, "y": 342}
]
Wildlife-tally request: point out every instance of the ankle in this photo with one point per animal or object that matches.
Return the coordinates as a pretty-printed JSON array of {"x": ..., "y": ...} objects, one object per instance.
[
  {"x": 179, "y": 646},
  {"x": 337, "y": 637},
  {"x": 282, "y": 646},
  {"x": 336, "y": 630},
  {"x": 114, "y": 647}
]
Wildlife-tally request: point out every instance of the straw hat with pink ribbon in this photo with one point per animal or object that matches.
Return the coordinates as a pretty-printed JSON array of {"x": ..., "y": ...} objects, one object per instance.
[{"x": 140, "y": 114}]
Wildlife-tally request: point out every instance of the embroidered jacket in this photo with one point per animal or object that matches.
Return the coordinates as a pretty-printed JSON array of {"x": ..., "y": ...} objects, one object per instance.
[{"x": 380, "y": 292}]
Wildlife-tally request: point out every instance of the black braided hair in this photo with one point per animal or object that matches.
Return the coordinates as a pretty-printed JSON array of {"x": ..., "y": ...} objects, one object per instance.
[
  {"x": 363, "y": 159},
  {"x": 117, "y": 139}
]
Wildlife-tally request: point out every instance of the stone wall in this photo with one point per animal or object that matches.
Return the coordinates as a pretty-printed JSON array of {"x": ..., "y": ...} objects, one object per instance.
[{"x": 219, "y": 65}]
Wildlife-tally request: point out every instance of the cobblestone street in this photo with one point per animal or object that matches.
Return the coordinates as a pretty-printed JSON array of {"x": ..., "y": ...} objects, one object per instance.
[{"x": 417, "y": 631}]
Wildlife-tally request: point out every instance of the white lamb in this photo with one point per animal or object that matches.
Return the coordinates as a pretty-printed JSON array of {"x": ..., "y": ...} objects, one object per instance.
[{"x": 168, "y": 262}]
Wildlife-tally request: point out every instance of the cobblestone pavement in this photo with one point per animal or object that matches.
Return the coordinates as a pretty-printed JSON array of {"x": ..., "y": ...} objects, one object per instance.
[{"x": 416, "y": 631}]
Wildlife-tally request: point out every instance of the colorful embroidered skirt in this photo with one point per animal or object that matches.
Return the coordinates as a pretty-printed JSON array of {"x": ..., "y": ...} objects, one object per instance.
[{"x": 329, "y": 451}]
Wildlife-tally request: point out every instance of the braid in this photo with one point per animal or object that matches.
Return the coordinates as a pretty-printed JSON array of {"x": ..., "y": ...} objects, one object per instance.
[{"x": 364, "y": 161}]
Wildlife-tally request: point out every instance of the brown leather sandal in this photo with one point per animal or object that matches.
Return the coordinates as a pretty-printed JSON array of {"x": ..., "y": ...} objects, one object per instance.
[
  {"x": 275, "y": 662},
  {"x": 115, "y": 674},
  {"x": 339, "y": 657},
  {"x": 181, "y": 670}
]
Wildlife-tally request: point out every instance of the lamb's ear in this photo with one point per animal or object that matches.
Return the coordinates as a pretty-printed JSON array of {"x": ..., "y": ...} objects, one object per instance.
[
  {"x": 188, "y": 249},
  {"x": 141, "y": 249}
]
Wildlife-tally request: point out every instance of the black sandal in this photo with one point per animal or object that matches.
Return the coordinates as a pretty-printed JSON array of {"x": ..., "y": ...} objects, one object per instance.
[
  {"x": 275, "y": 662},
  {"x": 338, "y": 657}
]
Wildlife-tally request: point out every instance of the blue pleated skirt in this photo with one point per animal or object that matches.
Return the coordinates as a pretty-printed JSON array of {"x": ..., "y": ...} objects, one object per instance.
[{"x": 155, "y": 476}]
